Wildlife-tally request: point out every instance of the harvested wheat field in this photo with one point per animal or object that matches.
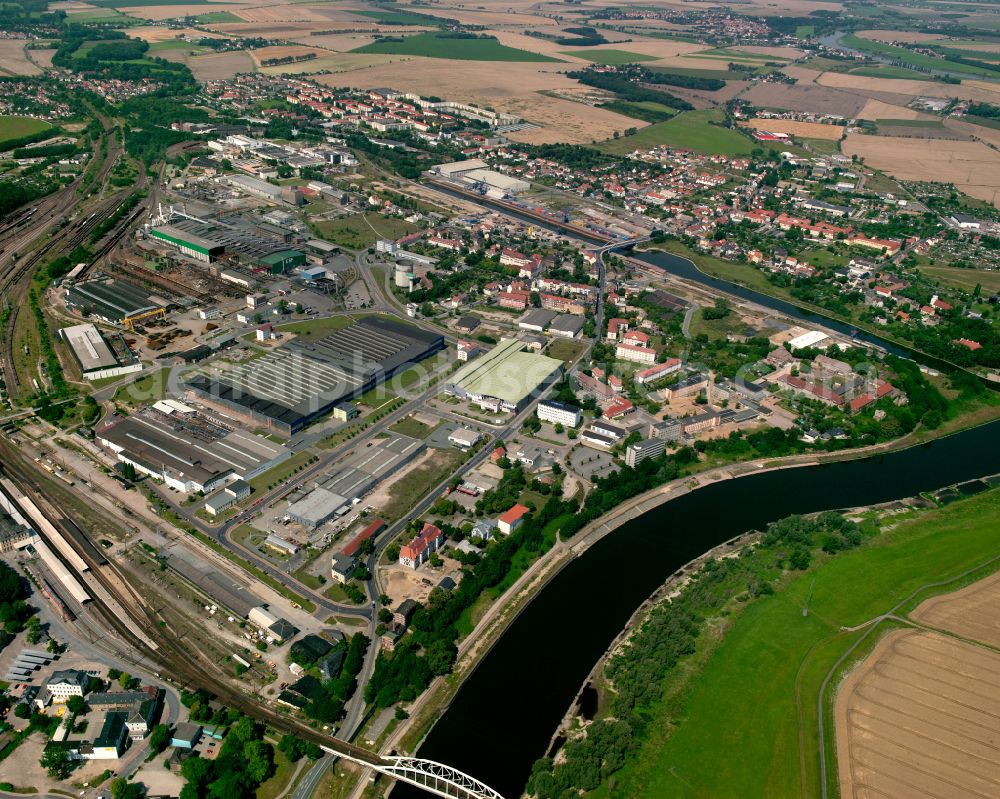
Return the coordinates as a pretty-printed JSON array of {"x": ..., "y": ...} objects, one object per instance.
[
  {"x": 968, "y": 90},
  {"x": 161, "y": 33},
  {"x": 920, "y": 719},
  {"x": 216, "y": 66},
  {"x": 299, "y": 12},
  {"x": 804, "y": 130},
  {"x": 340, "y": 42},
  {"x": 284, "y": 51},
  {"x": 14, "y": 60},
  {"x": 971, "y": 166},
  {"x": 972, "y": 612},
  {"x": 514, "y": 87},
  {"x": 808, "y": 97},
  {"x": 157, "y": 13},
  {"x": 333, "y": 62},
  {"x": 876, "y": 109},
  {"x": 911, "y": 37}
]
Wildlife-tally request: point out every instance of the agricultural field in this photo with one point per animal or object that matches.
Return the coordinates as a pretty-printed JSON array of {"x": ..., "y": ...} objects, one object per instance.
[
  {"x": 14, "y": 58},
  {"x": 214, "y": 17},
  {"x": 525, "y": 89},
  {"x": 16, "y": 127},
  {"x": 972, "y": 166},
  {"x": 914, "y": 719},
  {"x": 690, "y": 130},
  {"x": 332, "y": 62},
  {"x": 215, "y": 66},
  {"x": 388, "y": 16},
  {"x": 800, "y": 130},
  {"x": 916, "y": 59},
  {"x": 965, "y": 612},
  {"x": 609, "y": 56},
  {"x": 772, "y": 658},
  {"x": 359, "y": 231},
  {"x": 966, "y": 279},
  {"x": 437, "y": 45}
]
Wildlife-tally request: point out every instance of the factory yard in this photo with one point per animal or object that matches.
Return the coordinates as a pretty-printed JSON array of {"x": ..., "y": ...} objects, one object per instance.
[{"x": 917, "y": 717}]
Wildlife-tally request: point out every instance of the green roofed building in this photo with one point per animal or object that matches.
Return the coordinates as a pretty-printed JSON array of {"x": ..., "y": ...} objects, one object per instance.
[
  {"x": 190, "y": 244},
  {"x": 277, "y": 263},
  {"x": 505, "y": 378}
]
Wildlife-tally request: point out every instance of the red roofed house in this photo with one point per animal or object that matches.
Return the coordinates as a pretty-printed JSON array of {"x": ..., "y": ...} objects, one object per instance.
[
  {"x": 629, "y": 352},
  {"x": 615, "y": 382},
  {"x": 969, "y": 343},
  {"x": 497, "y": 454},
  {"x": 636, "y": 338},
  {"x": 616, "y": 327},
  {"x": 510, "y": 257},
  {"x": 654, "y": 373},
  {"x": 859, "y": 403},
  {"x": 421, "y": 547},
  {"x": 516, "y": 300},
  {"x": 510, "y": 520},
  {"x": 622, "y": 407},
  {"x": 371, "y": 530}
]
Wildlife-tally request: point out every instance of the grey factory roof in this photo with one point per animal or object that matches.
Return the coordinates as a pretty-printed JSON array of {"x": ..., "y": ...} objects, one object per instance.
[
  {"x": 222, "y": 589},
  {"x": 536, "y": 318},
  {"x": 304, "y": 379},
  {"x": 110, "y": 299},
  {"x": 89, "y": 347},
  {"x": 567, "y": 323},
  {"x": 187, "y": 448}
]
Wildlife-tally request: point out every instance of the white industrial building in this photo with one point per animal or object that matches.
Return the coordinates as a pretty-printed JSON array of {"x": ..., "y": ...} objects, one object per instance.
[{"x": 93, "y": 353}]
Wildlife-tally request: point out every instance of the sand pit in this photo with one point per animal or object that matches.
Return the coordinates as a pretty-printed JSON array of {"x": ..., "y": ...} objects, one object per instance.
[
  {"x": 514, "y": 87},
  {"x": 804, "y": 130},
  {"x": 920, "y": 719},
  {"x": 973, "y": 612},
  {"x": 971, "y": 166},
  {"x": 14, "y": 60}
]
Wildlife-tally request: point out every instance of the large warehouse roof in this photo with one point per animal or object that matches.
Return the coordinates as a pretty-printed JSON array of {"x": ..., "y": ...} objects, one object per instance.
[
  {"x": 89, "y": 347},
  {"x": 175, "y": 235},
  {"x": 506, "y": 372},
  {"x": 110, "y": 299},
  {"x": 303, "y": 380},
  {"x": 194, "y": 449}
]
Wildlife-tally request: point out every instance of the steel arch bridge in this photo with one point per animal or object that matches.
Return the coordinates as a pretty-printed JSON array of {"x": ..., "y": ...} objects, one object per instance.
[{"x": 433, "y": 777}]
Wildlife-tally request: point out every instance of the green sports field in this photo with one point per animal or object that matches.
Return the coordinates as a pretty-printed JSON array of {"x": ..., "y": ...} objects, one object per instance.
[
  {"x": 610, "y": 56},
  {"x": 439, "y": 45},
  {"x": 690, "y": 130},
  {"x": 745, "y": 723},
  {"x": 16, "y": 127}
]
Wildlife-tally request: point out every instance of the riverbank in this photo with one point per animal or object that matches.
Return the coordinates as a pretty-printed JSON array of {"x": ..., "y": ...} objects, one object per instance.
[
  {"x": 435, "y": 702},
  {"x": 767, "y": 660}
]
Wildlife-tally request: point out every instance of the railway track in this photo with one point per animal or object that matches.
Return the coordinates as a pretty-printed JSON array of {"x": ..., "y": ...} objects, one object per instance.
[
  {"x": 157, "y": 646},
  {"x": 15, "y": 281}
]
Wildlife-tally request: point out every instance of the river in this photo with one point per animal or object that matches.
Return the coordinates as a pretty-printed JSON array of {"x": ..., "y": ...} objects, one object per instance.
[{"x": 504, "y": 715}]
